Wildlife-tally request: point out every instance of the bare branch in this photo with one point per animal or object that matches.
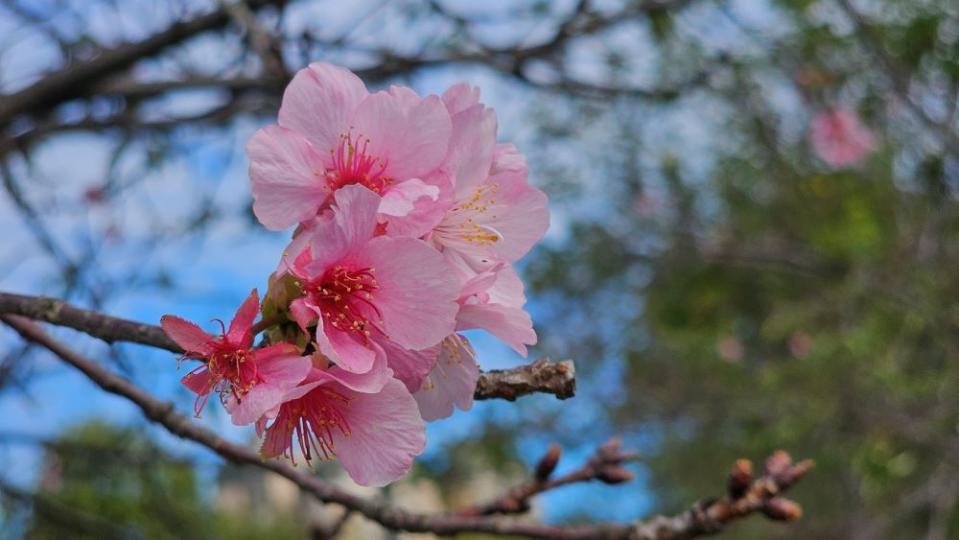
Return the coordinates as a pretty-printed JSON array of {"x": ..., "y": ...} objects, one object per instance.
[
  {"x": 606, "y": 465},
  {"x": 542, "y": 376},
  {"x": 266, "y": 45},
  {"x": 74, "y": 81},
  {"x": 745, "y": 495}
]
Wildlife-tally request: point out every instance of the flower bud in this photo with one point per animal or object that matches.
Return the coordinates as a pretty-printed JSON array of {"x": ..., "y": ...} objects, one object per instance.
[
  {"x": 614, "y": 475},
  {"x": 547, "y": 464},
  {"x": 609, "y": 451},
  {"x": 782, "y": 509},
  {"x": 792, "y": 474},
  {"x": 778, "y": 463},
  {"x": 740, "y": 478}
]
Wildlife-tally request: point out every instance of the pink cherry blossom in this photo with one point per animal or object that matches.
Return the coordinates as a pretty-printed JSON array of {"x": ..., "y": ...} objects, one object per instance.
[
  {"x": 332, "y": 133},
  {"x": 250, "y": 381},
  {"x": 493, "y": 301},
  {"x": 840, "y": 139},
  {"x": 374, "y": 434},
  {"x": 411, "y": 367},
  {"x": 451, "y": 382},
  {"x": 359, "y": 289},
  {"x": 498, "y": 219}
]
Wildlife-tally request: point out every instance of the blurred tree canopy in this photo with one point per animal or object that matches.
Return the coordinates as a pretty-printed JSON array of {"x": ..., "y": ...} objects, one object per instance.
[
  {"x": 100, "y": 481},
  {"x": 723, "y": 291}
]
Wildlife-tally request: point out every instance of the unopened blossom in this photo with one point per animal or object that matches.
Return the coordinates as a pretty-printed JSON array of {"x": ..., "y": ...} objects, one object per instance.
[
  {"x": 451, "y": 382},
  {"x": 333, "y": 133},
  {"x": 374, "y": 432},
  {"x": 840, "y": 139},
  {"x": 360, "y": 289},
  {"x": 250, "y": 381}
]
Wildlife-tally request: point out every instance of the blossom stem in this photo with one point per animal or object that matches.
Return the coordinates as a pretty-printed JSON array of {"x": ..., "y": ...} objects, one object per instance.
[{"x": 263, "y": 325}]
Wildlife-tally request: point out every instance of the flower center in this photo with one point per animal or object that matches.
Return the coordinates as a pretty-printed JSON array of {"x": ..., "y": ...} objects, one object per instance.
[
  {"x": 469, "y": 221},
  {"x": 234, "y": 367},
  {"x": 313, "y": 419},
  {"x": 353, "y": 164},
  {"x": 345, "y": 297}
]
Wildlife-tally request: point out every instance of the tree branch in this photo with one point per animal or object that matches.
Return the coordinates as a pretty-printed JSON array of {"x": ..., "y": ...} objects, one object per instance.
[
  {"x": 606, "y": 465},
  {"x": 542, "y": 376},
  {"x": 745, "y": 495},
  {"x": 74, "y": 81}
]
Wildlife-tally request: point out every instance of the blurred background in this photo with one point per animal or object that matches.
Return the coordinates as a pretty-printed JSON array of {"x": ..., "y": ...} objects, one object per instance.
[{"x": 753, "y": 246}]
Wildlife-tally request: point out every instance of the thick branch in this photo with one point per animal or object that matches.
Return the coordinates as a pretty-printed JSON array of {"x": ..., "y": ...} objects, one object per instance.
[
  {"x": 557, "y": 378},
  {"x": 542, "y": 376},
  {"x": 745, "y": 494}
]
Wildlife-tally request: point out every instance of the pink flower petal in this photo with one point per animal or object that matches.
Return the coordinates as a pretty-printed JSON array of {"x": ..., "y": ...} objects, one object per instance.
[
  {"x": 508, "y": 288},
  {"x": 198, "y": 380},
  {"x": 319, "y": 101},
  {"x": 385, "y": 433},
  {"x": 522, "y": 223},
  {"x": 401, "y": 198},
  {"x": 412, "y": 141},
  {"x": 427, "y": 212},
  {"x": 368, "y": 383},
  {"x": 512, "y": 325},
  {"x": 281, "y": 365},
  {"x": 417, "y": 292},
  {"x": 187, "y": 335},
  {"x": 410, "y": 367},
  {"x": 502, "y": 218},
  {"x": 286, "y": 177},
  {"x": 452, "y": 381},
  {"x": 471, "y": 148},
  {"x": 346, "y": 230},
  {"x": 460, "y": 97},
  {"x": 346, "y": 352},
  {"x": 254, "y": 404},
  {"x": 239, "y": 332},
  {"x": 304, "y": 313},
  {"x": 281, "y": 368}
]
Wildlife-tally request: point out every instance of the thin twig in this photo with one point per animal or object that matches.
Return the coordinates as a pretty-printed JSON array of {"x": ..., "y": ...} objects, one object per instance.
[{"x": 605, "y": 465}]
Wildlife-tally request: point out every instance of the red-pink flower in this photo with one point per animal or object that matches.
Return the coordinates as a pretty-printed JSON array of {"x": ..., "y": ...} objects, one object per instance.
[
  {"x": 360, "y": 289},
  {"x": 451, "y": 382},
  {"x": 250, "y": 381},
  {"x": 840, "y": 139},
  {"x": 375, "y": 432},
  {"x": 332, "y": 133}
]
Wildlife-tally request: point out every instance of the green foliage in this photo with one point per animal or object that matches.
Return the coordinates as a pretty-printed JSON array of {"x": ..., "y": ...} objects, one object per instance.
[
  {"x": 126, "y": 481},
  {"x": 787, "y": 304}
]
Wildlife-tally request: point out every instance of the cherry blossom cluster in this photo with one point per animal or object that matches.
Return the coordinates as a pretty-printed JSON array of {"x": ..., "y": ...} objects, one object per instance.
[{"x": 408, "y": 216}]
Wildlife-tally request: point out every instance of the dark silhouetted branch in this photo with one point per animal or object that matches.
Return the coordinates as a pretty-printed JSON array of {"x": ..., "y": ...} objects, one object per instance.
[{"x": 76, "y": 80}]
